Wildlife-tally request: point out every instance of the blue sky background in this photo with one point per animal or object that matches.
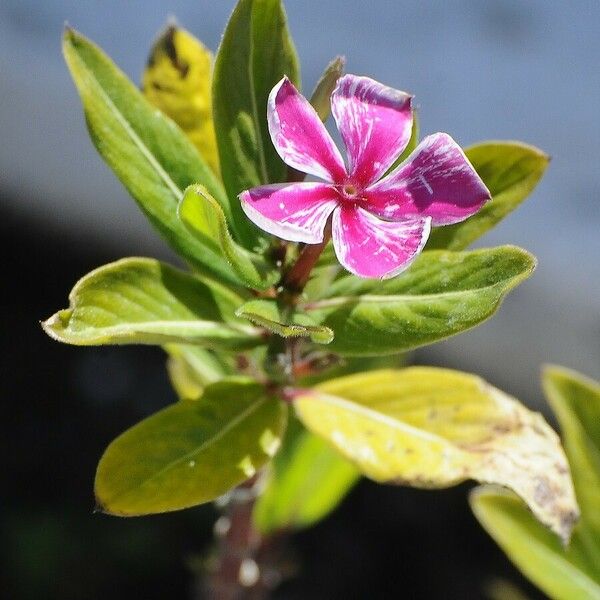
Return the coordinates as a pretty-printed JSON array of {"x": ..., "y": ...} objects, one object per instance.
[{"x": 503, "y": 69}]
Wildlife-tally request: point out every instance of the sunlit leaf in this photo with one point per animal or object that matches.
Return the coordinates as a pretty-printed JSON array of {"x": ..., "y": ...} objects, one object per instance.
[
  {"x": 178, "y": 80},
  {"x": 441, "y": 294},
  {"x": 433, "y": 428},
  {"x": 191, "y": 452},
  {"x": 533, "y": 548},
  {"x": 307, "y": 480},
  {"x": 571, "y": 572},
  {"x": 144, "y": 301},
  {"x": 511, "y": 171},
  {"x": 151, "y": 156},
  {"x": 203, "y": 216},
  {"x": 255, "y": 53},
  {"x": 267, "y": 313}
]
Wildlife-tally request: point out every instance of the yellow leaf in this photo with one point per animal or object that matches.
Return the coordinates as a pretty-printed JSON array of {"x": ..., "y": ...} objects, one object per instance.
[
  {"x": 433, "y": 428},
  {"x": 178, "y": 81}
]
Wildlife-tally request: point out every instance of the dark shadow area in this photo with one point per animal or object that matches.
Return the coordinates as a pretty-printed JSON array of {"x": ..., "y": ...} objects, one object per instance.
[{"x": 62, "y": 405}]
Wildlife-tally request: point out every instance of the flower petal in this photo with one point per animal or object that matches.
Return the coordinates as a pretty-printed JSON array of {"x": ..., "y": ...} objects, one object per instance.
[
  {"x": 297, "y": 212},
  {"x": 299, "y": 135},
  {"x": 375, "y": 122},
  {"x": 437, "y": 181},
  {"x": 370, "y": 247}
]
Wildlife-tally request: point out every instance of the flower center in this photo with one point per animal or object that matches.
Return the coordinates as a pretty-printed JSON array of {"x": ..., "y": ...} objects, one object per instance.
[{"x": 350, "y": 191}]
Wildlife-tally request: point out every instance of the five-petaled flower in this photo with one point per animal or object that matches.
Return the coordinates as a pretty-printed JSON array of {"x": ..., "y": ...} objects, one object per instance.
[{"x": 378, "y": 225}]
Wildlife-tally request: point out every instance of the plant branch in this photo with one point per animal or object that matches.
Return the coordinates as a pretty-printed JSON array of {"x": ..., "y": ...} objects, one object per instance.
[{"x": 297, "y": 277}]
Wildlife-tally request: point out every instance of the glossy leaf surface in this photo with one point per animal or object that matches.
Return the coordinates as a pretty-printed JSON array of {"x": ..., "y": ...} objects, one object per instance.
[
  {"x": 255, "y": 53},
  {"x": 203, "y": 216},
  {"x": 441, "y": 294},
  {"x": 144, "y": 301},
  {"x": 433, "y": 428},
  {"x": 151, "y": 156},
  {"x": 191, "y": 452}
]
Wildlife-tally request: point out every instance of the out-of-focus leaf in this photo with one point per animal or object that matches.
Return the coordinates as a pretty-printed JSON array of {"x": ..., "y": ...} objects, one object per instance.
[
  {"x": 564, "y": 573},
  {"x": 433, "y": 428},
  {"x": 441, "y": 294},
  {"x": 151, "y": 156},
  {"x": 191, "y": 452},
  {"x": 203, "y": 216},
  {"x": 178, "y": 80},
  {"x": 255, "y": 53},
  {"x": 144, "y": 301},
  {"x": 534, "y": 549},
  {"x": 321, "y": 96},
  {"x": 191, "y": 369},
  {"x": 575, "y": 400},
  {"x": 307, "y": 481},
  {"x": 511, "y": 170},
  {"x": 267, "y": 313}
]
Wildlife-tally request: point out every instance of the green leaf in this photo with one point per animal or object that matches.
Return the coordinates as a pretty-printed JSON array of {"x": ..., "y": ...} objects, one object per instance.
[
  {"x": 191, "y": 452},
  {"x": 267, "y": 313},
  {"x": 441, "y": 294},
  {"x": 575, "y": 401},
  {"x": 203, "y": 216},
  {"x": 563, "y": 573},
  {"x": 178, "y": 81},
  {"x": 307, "y": 481},
  {"x": 255, "y": 53},
  {"x": 321, "y": 96},
  {"x": 191, "y": 369},
  {"x": 434, "y": 428},
  {"x": 511, "y": 171},
  {"x": 534, "y": 549},
  {"x": 143, "y": 301},
  {"x": 151, "y": 156}
]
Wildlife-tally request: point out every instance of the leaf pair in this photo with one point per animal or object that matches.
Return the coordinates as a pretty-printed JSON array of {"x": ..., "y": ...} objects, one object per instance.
[
  {"x": 564, "y": 573},
  {"x": 144, "y": 301},
  {"x": 423, "y": 427}
]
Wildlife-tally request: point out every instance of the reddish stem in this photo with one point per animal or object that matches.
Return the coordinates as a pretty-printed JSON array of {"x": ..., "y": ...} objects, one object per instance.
[{"x": 297, "y": 277}]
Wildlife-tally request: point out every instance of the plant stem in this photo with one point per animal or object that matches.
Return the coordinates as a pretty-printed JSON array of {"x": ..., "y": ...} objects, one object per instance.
[
  {"x": 297, "y": 277},
  {"x": 247, "y": 563}
]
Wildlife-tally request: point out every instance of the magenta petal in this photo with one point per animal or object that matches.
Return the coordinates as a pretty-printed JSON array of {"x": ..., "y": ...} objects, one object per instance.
[
  {"x": 375, "y": 122},
  {"x": 300, "y": 136},
  {"x": 437, "y": 181},
  {"x": 370, "y": 247},
  {"x": 297, "y": 212}
]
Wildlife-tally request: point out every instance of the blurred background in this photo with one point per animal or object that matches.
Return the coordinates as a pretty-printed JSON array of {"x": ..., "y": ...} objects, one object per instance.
[{"x": 499, "y": 69}]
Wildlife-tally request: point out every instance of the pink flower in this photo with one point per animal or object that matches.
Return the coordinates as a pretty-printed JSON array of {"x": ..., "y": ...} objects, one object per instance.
[{"x": 378, "y": 225}]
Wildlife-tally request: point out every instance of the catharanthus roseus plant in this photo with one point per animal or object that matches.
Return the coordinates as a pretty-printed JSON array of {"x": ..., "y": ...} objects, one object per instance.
[
  {"x": 378, "y": 225},
  {"x": 276, "y": 416}
]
